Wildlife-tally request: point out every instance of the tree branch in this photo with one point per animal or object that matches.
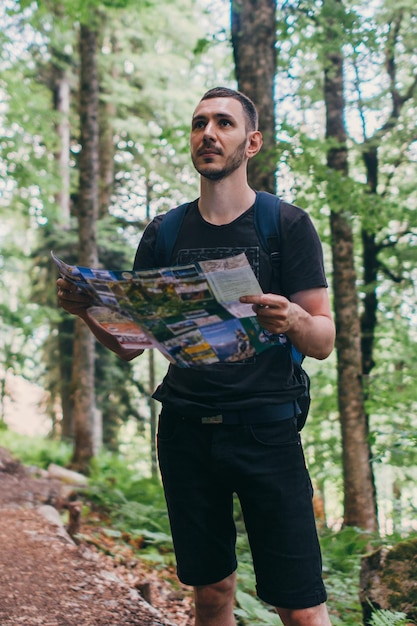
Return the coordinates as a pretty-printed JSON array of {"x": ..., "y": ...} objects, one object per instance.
[{"x": 398, "y": 100}]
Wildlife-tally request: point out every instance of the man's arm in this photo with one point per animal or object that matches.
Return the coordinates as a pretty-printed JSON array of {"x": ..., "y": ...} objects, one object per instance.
[
  {"x": 78, "y": 304},
  {"x": 306, "y": 319}
]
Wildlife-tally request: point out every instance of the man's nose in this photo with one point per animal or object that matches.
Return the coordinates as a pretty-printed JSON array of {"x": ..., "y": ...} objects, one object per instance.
[{"x": 209, "y": 130}]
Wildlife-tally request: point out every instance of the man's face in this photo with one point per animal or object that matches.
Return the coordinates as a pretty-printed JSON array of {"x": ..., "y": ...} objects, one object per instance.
[{"x": 219, "y": 138}]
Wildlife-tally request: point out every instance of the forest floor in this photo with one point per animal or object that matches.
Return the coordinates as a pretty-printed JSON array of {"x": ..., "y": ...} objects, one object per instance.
[{"x": 47, "y": 578}]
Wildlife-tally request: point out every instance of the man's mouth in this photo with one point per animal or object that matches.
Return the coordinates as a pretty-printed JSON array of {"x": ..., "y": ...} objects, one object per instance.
[{"x": 208, "y": 152}]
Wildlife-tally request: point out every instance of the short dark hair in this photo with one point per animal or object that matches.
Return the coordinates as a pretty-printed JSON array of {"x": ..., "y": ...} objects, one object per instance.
[{"x": 249, "y": 109}]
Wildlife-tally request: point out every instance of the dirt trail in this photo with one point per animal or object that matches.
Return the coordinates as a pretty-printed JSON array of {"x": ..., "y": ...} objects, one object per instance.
[{"x": 48, "y": 580}]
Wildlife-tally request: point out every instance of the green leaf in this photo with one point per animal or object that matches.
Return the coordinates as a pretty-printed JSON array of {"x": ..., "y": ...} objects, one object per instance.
[{"x": 251, "y": 608}]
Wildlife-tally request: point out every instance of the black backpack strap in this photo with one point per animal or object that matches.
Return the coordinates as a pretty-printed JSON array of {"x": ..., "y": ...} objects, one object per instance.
[
  {"x": 267, "y": 225},
  {"x": 167, "y": 235}
]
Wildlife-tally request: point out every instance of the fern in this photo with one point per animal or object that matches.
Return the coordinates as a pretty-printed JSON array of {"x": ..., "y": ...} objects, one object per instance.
[{"x": 383, "y": 617}]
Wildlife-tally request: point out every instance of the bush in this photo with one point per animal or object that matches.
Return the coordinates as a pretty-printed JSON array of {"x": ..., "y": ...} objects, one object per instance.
[{"x": 36, "y": 450}]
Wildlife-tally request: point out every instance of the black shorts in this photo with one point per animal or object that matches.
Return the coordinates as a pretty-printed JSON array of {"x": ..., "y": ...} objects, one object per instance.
[{"x": 202, "y": 466}]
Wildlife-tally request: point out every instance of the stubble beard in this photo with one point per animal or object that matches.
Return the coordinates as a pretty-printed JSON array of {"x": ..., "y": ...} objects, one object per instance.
[{"x": 233, "y": 162}]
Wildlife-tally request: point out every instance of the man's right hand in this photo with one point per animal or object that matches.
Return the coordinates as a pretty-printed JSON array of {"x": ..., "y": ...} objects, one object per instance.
[
  {"x": 78, "y": 303},
  {"x": 71, "y": 299}
]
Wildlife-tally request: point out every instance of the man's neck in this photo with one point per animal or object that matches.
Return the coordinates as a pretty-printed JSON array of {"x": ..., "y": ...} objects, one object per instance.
[{"x": 223, "y": 201}]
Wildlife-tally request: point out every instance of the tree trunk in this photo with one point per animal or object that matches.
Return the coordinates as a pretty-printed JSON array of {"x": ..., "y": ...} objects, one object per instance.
[
  {"x": 108, "y": 112},
  {"x": 65, "y": 350},
  {"x": 370, "y": 301},
  {"x": 153, "y": 414},
  {"x": 388, "y": 582},
  {"x": 84, "y": 353},
  {"x": 83, "y": 397},
  {"x": 253, "y": 39},
  {"x": 61, "y": 97},
  {"x": 359, "y": 490},
  {"x": 370, "y": 268},
  {"x": 61, "y": 102},
  {"x": 151, "y": 365}
]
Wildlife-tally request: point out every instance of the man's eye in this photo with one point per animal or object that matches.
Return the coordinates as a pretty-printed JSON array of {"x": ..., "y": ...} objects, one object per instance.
[
  {"x": 225, "y": 123},
  {"x": 197, "y": 125}
]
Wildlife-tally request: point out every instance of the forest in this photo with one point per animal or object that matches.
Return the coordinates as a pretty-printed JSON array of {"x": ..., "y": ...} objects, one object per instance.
[{"x": 96, "y": 99}]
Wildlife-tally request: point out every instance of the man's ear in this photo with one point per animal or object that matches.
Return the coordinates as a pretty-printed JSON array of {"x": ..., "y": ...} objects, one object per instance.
[{"x": 255, "y": 142}]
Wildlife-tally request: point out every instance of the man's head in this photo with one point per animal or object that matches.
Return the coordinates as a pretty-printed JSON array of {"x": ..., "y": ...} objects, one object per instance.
[
  {"x": 249, "y": 109},
  {"x": 224, "y": 133}
]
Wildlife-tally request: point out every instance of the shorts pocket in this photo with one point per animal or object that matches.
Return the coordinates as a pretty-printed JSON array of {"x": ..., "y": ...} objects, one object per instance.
[
  {"x": 167, "y": 426},
  {"x": 282, "y": 433}
]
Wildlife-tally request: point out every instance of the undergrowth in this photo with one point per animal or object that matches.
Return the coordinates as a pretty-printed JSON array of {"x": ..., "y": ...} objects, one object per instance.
[
  {"x": 133, "y": 509},
  {"x": 36, "y": 451},
  {"x": 135, "y": 506},
  {"x": 389, "y": 618}
]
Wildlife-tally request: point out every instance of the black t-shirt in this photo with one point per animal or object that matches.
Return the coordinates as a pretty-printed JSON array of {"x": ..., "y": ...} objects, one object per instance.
[{"x": 268, "y": 377}]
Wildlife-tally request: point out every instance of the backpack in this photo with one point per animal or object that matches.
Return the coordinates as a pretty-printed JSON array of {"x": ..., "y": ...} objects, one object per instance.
[{"x": 267, "y": 226}]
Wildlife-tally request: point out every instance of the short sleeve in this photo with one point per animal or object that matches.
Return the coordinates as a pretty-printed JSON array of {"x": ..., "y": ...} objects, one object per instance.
[
  {"x": 302, "y": 265},
  {"x": 145, "y": 253}
]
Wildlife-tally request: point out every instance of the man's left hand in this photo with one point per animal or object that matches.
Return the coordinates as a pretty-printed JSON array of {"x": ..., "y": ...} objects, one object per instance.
[{"x": 274, "y": 312}]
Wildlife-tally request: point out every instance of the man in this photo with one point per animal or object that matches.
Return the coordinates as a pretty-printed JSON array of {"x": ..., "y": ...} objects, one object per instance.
[{"x": 251, "y": 446}]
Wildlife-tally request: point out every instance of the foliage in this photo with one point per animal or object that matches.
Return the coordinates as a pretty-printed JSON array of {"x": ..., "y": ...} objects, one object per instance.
[
  {"x": 388, "y": 618},
  {"x": 152, "y": 75},
  {"x": 142, "y": 59},
  {"x": 380, "y": 106},
  {"x": 136, "y": 509},
  {"x": 251, "y": 611},
  {"x": 135, "y": 505},
  {"x": 36, "y": 451},
  {"x": 117, "y": 394},
  {"x": 132, "y": 510}
]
